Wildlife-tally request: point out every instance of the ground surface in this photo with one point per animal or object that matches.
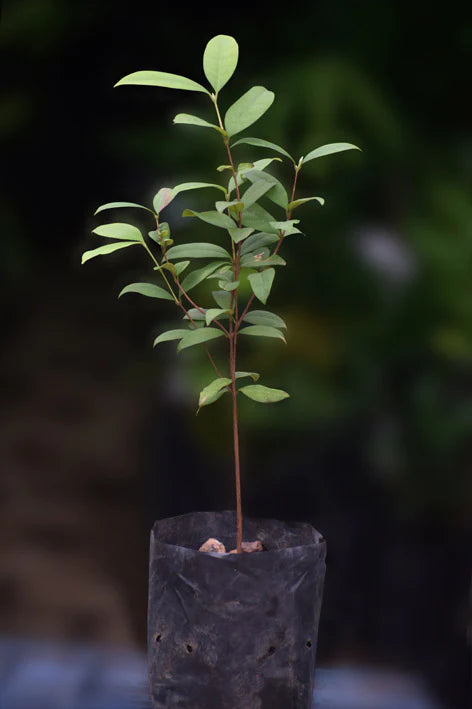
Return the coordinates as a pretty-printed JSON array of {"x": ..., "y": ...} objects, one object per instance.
[{"x": 43, "y": 675}]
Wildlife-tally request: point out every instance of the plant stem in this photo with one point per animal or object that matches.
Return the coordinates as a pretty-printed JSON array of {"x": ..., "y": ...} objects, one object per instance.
[
  {"x": 197, "y": 307},
  {"x": 297, "y": 170},
  {"x": 233, "y": 334},
  {"x": 161, "y": 271},
  {"x": 234, "y": 326},
  {"x": 212, "y": 362},
  {"x": 237, "y": 469}
]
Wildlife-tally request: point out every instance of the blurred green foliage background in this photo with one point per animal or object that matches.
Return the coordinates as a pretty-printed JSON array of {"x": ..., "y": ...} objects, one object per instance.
[{"x": 377, "y": 295}]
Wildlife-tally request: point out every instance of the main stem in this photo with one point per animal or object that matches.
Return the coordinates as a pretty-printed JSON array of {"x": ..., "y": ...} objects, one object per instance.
[
  {"x": 233, "y": 335},
  {"x": 234, "y": 325},
  {"x": 237, "y": 469}
]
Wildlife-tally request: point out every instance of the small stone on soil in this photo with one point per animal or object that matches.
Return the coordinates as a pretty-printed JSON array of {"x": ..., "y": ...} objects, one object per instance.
[{"x": 213, "y": 545}]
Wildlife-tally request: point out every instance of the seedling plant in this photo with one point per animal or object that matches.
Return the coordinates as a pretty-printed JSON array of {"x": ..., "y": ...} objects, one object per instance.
[{"x": 253, "y": 237}]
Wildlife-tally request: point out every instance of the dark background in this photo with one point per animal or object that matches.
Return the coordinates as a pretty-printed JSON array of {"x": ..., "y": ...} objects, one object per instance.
[{"x": 98, "y": 433}]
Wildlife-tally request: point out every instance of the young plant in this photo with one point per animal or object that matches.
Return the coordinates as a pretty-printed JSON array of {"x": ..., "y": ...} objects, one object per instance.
[{"x": 254, "y": 237}]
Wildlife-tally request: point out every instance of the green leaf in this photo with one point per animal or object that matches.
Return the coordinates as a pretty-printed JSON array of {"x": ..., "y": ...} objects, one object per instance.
[
  {"x": 199, "y": 275},
  {"x": 170, "y": 335},
  {"x": 254, "y": 375},
  {"x": 234, "y": 206},
  {"x": 161, "y": 78},
  {"x": 258, "y": 218},
  {"x": 259, "y": 142},
  {"x": 162, "y": 198},
  {"x": 120, "y": 205},
  {"x": 117, "y": 230},
  {"x": 214, "y": 397},
  {"x": 261, "y": 283},
  {"x": 197, "y": 250},
  {"x": 189, "y": 120},
  {"x": 220, "y": 60},
  {"x": 214, "y": 218},
  {"x": 208, "y": 393},
  {"x": 288, "y": 226},
  {"x": 228, "y": 285},
  {"x": 198, "y": 325},
  {"x": 258, "y": 188},
  {"x": 222, "y": 168},
  {"x": 238, "y": 235},
  {"x": 329, "y": 149},
  {"x": 261, "y": 258},
  {"x": 213, "y": 391},
  {"x": 222, "y": 298},
  {"x": 275, "y": 192},
  {"x": 198, "y": 337},
  {"x": 264, "y": 395},
  {"x": 298, "y": 202},
  {"x": 108, "y": 249},
  {"x": 148, "y": 289},
  {"x": 166, "y": 267},
  {"x": 257, "y": 241},
  {"x": 181, "y": 266},
  {"x": 262, "y": 253},
  {"x": 248, "y": 109},
  {"x": 262, "y": 331},
  {"x": 278, "y": 195},
  {"x": 154, "y": 236},
  {"x": 264, "y": 162},
  {"x": 194, "y": 314},
  {"x": 186, "y": 186},
  {"x": 264, "y": 317},
  {"x": 213, "y": 313},
  {"x": 224, "y": 272},
  {"x": 244, "y": 167}
]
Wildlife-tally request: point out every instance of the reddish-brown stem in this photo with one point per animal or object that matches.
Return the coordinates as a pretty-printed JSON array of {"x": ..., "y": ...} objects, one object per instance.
[
  {"x": 279, "y": 244},
  {"x": 197, "y": 307},
  {"x": 237, "y": 468},
  {"x": 233, "y": 331},
  {"x": 243, "y": 314},
  {"x": 293, "y": 188},
  {"x": 234, "y": 326}
]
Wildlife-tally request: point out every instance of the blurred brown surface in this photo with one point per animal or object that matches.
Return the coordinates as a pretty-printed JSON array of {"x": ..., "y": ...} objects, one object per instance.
[{"x": 73, "y": 552}]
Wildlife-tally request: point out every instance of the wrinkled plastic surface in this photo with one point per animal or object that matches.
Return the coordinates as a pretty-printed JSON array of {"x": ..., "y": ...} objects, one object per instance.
[{"x": 235, "y": 631}]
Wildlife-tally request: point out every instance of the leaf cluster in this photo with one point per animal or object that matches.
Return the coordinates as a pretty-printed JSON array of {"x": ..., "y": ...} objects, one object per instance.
[{"x": 249, "y": 223}]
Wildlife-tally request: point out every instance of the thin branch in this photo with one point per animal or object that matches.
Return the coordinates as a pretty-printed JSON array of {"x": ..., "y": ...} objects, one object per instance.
[
  {"x": 159, "y": 268},
  {"x": 297, "y": 169},
  {"x": 197, "y": 307}
]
